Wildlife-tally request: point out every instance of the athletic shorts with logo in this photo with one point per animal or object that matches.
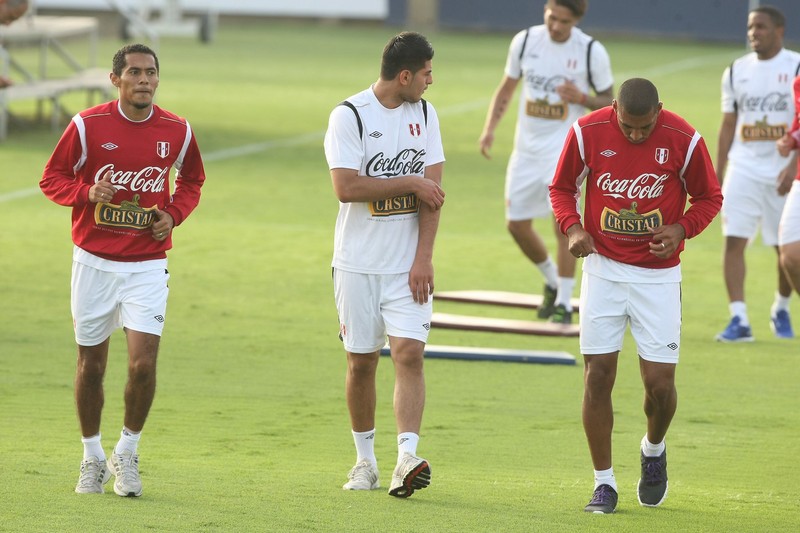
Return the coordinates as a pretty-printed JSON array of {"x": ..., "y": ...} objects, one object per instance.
[
  {"x": 372, "y": 306},
  {"x": 103, "y": 301},
  {"x": 653, "y": 311}
]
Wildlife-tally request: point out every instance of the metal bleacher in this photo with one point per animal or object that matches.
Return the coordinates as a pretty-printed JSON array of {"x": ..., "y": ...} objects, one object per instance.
[
  {"x": 48, "y": 33},
  {"x": 36, "y": 82}
]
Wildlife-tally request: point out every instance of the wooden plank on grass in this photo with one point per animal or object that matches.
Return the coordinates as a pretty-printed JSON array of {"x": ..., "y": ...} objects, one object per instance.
[
  {"x": 503, "y": 325},
  {"x": 435, "y": 351},
  {"x": 504, "y": 298}
]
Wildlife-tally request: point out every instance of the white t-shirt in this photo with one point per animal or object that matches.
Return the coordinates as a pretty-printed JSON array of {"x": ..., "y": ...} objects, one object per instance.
[
  {"x": 544, "y": 119},
  {"x": 380, "y": 237},
  {"x": 760, "y": 93}
]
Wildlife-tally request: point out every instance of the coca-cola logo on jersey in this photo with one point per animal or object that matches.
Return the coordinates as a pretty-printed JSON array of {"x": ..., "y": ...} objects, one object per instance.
[
  {"x": 643, "y": 186},
  {"x": 148, "y": 179},
  {"x": 773, "y": 102},
  {"x": 406, "y": 163}
]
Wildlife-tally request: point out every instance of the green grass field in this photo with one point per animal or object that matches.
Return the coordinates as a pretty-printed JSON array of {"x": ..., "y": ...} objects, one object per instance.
[{"x": 249, "y": 430}]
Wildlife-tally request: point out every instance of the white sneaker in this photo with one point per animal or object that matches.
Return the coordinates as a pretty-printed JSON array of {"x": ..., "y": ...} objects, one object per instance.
[
  {"x": 411, "y": 473},
  {"x": 94, "y": 475},
  {"x": 363, "y": 476},
  {"x": 125, "y": 467}
]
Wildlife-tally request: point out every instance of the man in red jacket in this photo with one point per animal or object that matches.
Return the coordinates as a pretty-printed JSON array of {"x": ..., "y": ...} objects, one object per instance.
[
  {"x": 639, "y": 163},
  {"x": 112, "y": 166}
]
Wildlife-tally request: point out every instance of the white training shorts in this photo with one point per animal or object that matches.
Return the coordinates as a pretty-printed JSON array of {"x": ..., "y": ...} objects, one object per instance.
[
  {"x": 372, "y": 306},
  {"x": 746, "y": 204},
  {"x": 527, "y": 182},
  {"x": 789, "y": 229},
  {"x": 653, "y": 311},
  {"x": 104, "y": 301}
]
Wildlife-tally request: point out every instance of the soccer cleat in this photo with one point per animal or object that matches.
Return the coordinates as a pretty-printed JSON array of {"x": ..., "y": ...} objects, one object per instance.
[
  {"x": 781, "y": 325},
  {"x": 548, "y": 302},
  {"x": 561, "y": 315},
  {"x": 736, "y": 332},
  {"x": 411, "y": 473},
  {"x": 94, "y": 475},
  {"x": 604, "y": 500},
  {"x": 363, "y": 476},
  {"x": 652, "y": 488},
  {"x": 125, "y": 467}
]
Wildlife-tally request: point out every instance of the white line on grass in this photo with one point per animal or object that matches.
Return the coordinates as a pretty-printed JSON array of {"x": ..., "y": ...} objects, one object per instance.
[{"x": 255, "y": 148}]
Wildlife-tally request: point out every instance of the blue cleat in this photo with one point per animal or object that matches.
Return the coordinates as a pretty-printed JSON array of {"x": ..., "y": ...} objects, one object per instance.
[
  {"x": 781, "y": 325},
  {"x": 736, "y": 332}
]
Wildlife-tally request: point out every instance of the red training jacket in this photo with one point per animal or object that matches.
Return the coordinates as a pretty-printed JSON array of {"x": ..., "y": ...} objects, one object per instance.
[
  {"x": 139, "y": 156},
  {"x": 630, "y": 186}
]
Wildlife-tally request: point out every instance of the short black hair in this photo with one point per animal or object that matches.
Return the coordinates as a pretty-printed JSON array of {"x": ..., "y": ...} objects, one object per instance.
[
  {"x": 406, "y": 51},
  {"x": 578, "y": 7},
  {"x": 773, "y": 13},
  {"x": 638, "y": 97},
  {"x": 120, "y": 62}
]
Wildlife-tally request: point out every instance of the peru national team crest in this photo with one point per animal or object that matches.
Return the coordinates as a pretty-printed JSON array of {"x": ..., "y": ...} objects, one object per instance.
[
  {"x": 415, "y": 130},
  {"x": 162, "y": 149},
  {"x": 662, "y": 155}
]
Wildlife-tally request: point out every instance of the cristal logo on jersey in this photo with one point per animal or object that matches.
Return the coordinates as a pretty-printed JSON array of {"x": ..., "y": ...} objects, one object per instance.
[
  {"x": 399, "y": 205},
  {"x": 762, "y": 130},
  {"x": 415, "y": 130},
  {"x": 629, "y": 221},
  {"x": 162, "y": 149},
  {"x": 662, "y": 155},
  {"x": 128, "y": 214},
  {"x": 147, "y": 179},
  {"x": 542, "y": 108}
]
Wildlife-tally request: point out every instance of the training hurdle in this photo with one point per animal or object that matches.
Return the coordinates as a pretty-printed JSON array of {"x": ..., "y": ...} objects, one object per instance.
[
  {"x": 504, "y": 298},
  {"x": 434, "y": 351}
]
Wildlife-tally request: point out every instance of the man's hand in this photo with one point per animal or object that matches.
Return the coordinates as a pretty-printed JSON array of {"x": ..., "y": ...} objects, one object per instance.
[
  {"x": 570, "y": 93},
  {"x": 666, "y": 239},
  {"x": 162, "y": 225},
  {"x": 103, "y": 190},
  {"x": 580, "y": 242},
  {"x": 429, "y": 192},
  {"x": 420, "y": 281}
]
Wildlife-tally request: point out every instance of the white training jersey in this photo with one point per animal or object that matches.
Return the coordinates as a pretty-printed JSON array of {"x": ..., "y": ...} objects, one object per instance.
[
  {"x": 380, "y": 237},
  {"x": 760, "y": 93},
  {"x": 542, "y": 65}
]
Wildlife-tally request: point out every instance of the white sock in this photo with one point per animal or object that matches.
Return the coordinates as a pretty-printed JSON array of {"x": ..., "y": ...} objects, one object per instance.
[
  {"x": 549, "y": 271},
  {"x": 365, "y": 446},
  {"x": 605, "y": 477},
  {"x": 652, "y": 450},
  {"x": 739, "y": 309},
  {"x": 564, "y": 296},
  {"x": 781, "y": 303},
  {"x": 128, "y": 441},
  {"x": 93, "y": 448},
  {"x": 407, "y": 442}
]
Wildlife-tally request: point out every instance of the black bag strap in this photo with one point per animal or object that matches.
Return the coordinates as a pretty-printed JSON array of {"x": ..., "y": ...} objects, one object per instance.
[
  {"x": 589, "y": 65},
  {"x": 730, "y": 80},
  {"x": 524, "y": 42},
  {"x": 358, "y": 117}
]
